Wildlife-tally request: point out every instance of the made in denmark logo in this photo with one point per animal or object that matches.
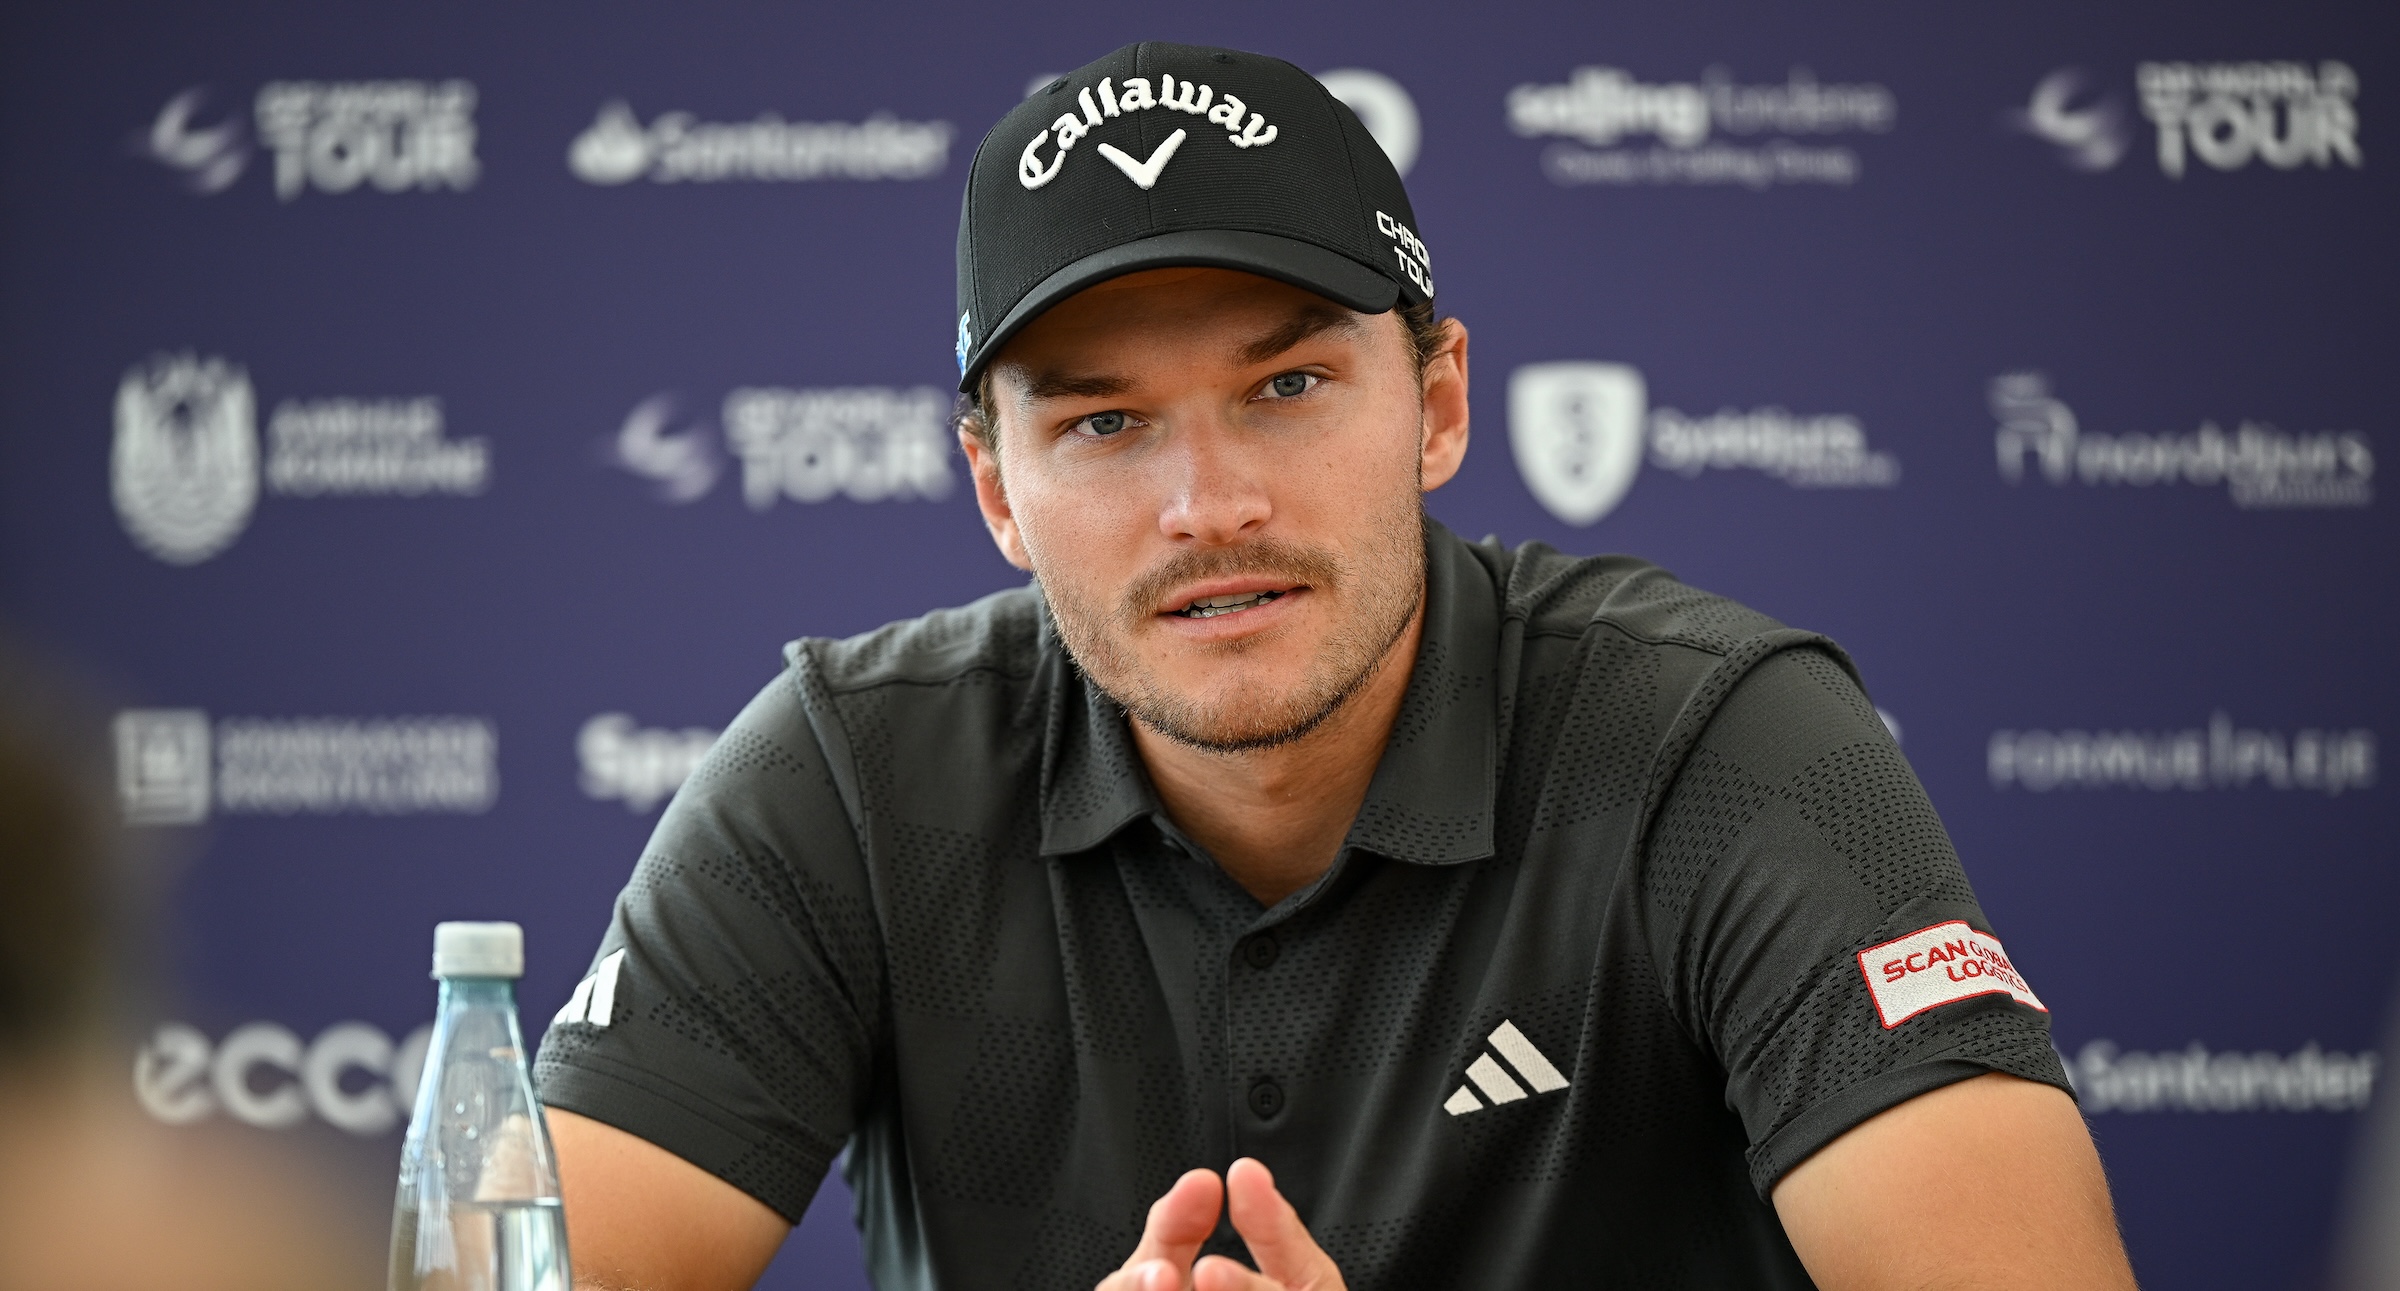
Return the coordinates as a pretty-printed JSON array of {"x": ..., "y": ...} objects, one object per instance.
[
  {"x": 186, "y": 470},
  {"x": 1604, "y": 111},
  {"x": 864, "y": 443},
  {"x": 325, "y": 136},
  {"x": 2260, "y": 466},
  {"x": 1579, "y": 431},
  {"x": 2285, "y": 115}
]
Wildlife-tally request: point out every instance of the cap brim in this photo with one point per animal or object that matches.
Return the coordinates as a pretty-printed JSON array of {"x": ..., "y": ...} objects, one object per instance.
[{"x": 1305, "y": 265}]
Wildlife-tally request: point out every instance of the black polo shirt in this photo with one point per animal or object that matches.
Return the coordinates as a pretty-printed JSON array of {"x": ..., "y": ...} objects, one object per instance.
[{"x": 1642, "y": 908}]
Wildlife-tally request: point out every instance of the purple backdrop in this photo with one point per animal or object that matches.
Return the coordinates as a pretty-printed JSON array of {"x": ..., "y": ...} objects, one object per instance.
[{"x": 433, "y": 419}]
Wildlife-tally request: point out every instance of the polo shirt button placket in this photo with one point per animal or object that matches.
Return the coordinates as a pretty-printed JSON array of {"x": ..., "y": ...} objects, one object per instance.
[
  {"x": 1266, "y": 1098},
  {"x": 1261, "y": 951}
]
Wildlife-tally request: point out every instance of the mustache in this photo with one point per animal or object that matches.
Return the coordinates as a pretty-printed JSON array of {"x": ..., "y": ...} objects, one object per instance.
[{"x": 1271, "y": 557}]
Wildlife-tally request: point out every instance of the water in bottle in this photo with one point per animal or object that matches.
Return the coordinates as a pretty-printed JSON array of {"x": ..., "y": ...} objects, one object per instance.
[{"x": 478, "y": 1205}]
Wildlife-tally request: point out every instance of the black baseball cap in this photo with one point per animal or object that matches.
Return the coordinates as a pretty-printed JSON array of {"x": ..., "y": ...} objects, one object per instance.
[{"x": 1161, "y": 155}]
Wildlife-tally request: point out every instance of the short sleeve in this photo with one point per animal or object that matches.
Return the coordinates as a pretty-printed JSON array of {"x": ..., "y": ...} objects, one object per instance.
[
  {"x": 1793, "y": 839},
  {"x": 733, "y": 1013}
]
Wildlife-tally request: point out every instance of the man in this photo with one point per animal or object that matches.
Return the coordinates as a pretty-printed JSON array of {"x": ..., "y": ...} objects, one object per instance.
[{"x": 1282, "y": 892}]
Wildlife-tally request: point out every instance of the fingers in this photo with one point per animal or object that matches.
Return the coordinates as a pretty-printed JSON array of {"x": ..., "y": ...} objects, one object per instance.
[
  {"x": 1281, "y": 1244},
  {"x": 1216, "y": 1273},
  {"x": 1179, "y": 1222}
]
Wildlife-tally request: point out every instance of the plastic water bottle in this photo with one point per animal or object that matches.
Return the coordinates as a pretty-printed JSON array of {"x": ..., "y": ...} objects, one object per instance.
[{"x": 478, "y": 1206}]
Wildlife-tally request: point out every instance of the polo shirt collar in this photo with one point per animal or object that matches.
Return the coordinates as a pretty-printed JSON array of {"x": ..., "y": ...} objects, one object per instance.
[{"x": 1431, "y": 799}]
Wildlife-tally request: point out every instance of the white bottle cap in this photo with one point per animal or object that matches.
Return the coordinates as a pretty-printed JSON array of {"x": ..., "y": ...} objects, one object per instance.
[{"x": 478, "y": 950}]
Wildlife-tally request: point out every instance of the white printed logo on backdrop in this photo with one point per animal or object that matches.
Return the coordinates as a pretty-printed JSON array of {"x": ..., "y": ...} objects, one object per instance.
[
  {"x": 2224, "y": 116},
  {"x": 636, "y": 765},
  {"x": 2260, "y": 466},
  {"x": 2199, "y": 1079},
  {"x": 865, "y": 443},
  {"x": 327, "y": 136},
  {"x": 677, "y": 147},
  {"x": 1579, "y": 431},
  {"x": 1605, "y": 113},
  {"x": 2221, "y": 756},
  {"x": 1384, "y": 107},
  {"x": 351, "y": 1076},
  {"x": 175, "y": 766},
  {"x": 185, "y": 469}
]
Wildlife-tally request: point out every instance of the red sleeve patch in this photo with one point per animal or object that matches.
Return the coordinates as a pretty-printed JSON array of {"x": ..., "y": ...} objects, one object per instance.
[{"x": 1939, "y": 965}]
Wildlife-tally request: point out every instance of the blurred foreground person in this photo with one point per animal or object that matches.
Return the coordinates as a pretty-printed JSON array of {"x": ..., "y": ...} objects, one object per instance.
[
  {"x": 1282, "y": 892},
  {"x": 94, "y": 1196}
]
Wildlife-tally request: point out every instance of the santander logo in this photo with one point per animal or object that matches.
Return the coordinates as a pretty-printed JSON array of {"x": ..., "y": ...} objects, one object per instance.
[{"x": 1939, "y": 965}]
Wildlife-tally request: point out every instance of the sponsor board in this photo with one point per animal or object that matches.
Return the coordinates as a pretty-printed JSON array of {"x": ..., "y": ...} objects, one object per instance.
[
  {"x": 1579, "y": 432},
  {"x": 1698, "y": 132},
  {"x": 176, "y": 766},
  {"x": 326, "y": 137},
  {"x": 2199, "y": 1079},
  {"x": 679, "y": 148},
  {"x": 2259, "y": 466},
  {"x": 2282, "y": 115},
  {"x": 864, "y": 443},
  {"x": 2222, "y": 756},
  {"x": 352, "y": 1076},
  {"x": 639, "y": 766},
  {"x": 186, "y": 468}
]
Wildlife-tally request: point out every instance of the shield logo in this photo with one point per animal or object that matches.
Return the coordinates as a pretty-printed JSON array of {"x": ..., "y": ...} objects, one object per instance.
[
  {"x": 184, "y": 470},
  {"x": 1576, "y": 429}
]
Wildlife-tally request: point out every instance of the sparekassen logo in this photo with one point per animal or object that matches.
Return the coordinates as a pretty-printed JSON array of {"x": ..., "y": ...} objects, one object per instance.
[{"x": 1939, "y": 965}]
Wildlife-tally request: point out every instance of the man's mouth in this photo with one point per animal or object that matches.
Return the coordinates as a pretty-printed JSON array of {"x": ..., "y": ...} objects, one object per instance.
[{"x": 1209, "y": 607}]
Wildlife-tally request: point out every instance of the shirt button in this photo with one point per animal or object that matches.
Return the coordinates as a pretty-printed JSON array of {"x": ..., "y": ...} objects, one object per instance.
[
  {"x": 1266, "y": 1098},
  {"x": 1262, "y": 951}
]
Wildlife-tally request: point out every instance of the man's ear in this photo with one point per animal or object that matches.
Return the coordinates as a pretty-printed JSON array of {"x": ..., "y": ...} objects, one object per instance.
[
  {"x": 1445, "y": 400},
  {"x": 983, "y": 462}
]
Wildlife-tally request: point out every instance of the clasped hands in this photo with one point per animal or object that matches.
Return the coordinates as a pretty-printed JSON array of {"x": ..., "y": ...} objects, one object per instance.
[{"x": 1288, "y": 1258}]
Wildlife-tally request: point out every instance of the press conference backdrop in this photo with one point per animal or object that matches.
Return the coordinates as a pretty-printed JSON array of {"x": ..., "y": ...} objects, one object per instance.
[{"x": 434, "y": 418}]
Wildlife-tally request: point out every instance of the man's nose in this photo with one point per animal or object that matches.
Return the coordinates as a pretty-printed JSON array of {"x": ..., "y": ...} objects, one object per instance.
[{"x": 1217, "y": 486}]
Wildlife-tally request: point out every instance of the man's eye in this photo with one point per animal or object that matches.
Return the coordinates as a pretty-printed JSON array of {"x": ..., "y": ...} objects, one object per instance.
[
  {"x": 1292, "y": 384},
  {"x": 1102, "y": 424}
]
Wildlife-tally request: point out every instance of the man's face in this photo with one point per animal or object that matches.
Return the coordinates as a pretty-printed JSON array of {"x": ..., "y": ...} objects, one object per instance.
[{"x": 1217, "y": 479}]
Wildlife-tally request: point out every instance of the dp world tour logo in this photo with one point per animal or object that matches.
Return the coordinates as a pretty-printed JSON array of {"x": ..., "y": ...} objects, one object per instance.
[{"x": 184, "y": 469}]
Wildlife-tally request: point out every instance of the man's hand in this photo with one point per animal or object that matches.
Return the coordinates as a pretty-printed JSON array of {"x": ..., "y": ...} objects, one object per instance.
[{"x": 1180, "y": 1222}]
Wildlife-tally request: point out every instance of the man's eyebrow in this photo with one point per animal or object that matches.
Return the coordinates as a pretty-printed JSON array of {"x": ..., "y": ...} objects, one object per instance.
[
  {"x": 1307, "y": 322},
  {"x": 1073, "y": 385}
]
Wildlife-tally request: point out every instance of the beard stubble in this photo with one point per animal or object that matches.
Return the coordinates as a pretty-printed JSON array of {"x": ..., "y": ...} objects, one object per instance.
[{"x": 1382, "y": 589}]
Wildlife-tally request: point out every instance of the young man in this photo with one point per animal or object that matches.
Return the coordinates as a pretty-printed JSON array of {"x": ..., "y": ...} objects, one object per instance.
[{"x": 1281, "y": 892}]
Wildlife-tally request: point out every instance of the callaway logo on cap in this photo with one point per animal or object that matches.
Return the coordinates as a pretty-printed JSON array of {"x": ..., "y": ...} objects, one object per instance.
[{"x": 1162, "y": 155}]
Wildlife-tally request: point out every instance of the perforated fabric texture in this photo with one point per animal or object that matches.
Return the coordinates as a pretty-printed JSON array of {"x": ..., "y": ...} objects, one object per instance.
[{"x": 1580, "y": 987}]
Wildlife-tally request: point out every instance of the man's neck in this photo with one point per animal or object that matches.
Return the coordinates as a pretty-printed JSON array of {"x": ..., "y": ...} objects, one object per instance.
[{"x": 1274, "y": 818}]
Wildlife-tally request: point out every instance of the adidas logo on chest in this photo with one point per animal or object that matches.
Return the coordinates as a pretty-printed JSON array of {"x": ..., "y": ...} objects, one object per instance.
[{"x": 1501, "y": 1084}]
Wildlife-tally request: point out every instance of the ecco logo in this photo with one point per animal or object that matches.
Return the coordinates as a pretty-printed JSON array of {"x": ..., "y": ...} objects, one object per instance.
[
  {"x": 1188, "y": 97},
  {"x": 352, "y": 1076},
  {"x": 1494, "y": 1080}
]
